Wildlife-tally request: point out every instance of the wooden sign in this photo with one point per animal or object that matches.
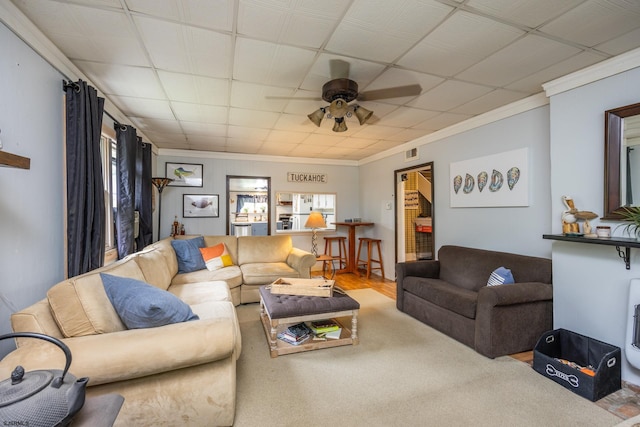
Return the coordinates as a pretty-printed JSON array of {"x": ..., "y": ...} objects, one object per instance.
[{"x": 320, "y": 178}]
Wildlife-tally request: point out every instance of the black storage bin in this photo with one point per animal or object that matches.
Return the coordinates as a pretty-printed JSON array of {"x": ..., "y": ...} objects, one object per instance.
[{"x": 584, "y": 351}]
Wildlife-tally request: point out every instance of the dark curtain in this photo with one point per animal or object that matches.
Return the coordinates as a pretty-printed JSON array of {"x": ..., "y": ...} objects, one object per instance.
[
  {"x": 144, "y": 190},
  {"x": 126, "y": 150},
  {"x": 85, "y": 188}
]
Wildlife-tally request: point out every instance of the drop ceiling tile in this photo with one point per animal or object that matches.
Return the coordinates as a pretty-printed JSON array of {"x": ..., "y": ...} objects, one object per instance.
[
  {"x": 123, "y": 80},
  {"x": 596, "y": 21},
  {"x": 164, "y": 140},
  {"x": 276, "y": 148},
  {"x": 175, "y": 47},
  {"x": 247, "y": 134},
  {"x": 355, "y": 143},
  {"x": 530, "y": 13},
  {"x": 442, "y": 121},
  {"x": 305, "y": 23},
  {"x": 280, "y": 136},
  {"x": 276, "y": 65},
  {"x": 332, "y": 140},
  {"x": 448, "y": 95},
  {"x": 307, "y": 151},
  {"x": 622, "y": 44},
  {"x": 210, "y": 140},
  {"x": 259, "y": 97},
  {"x": 461, "y": 41},
  {"x": 383, "y": 145},
  {"x": 518, "y": 60},
  {"x": 407, "y": 135},
  {"x": 533, "y": 83},
  {"x": 252, "y": 118},
  {"x": 490, "y": 101},
  {"x": 204, "y": 129},
  {"x": 383, "y": 30},
  {"x": 405, "y": 117},
  {"x": 158, "y": 125},
  {"x": 200, "y": 113},
  {"x": 142, "y": 107},
  {"x": 295, "y": 123},
  {"x": 194, "y": 89},
  {"x": 212, "y": 14},
  {"x": 376, "y": 131}
]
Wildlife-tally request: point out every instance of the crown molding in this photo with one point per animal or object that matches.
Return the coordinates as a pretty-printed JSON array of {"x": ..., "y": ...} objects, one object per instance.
[
  {"x": 517, "y": 107},
  {"x": 601, "y": 70},
  {"x": 253, "y": 157}
]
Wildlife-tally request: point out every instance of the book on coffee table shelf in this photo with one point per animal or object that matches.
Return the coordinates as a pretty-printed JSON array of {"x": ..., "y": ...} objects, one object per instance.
[
  {"x": 323, "y": 326},
  {"x": 296, "y": 334}
]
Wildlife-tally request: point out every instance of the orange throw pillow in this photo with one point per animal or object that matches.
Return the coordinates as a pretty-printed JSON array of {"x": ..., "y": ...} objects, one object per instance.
[{"x": 216, "y": 257}]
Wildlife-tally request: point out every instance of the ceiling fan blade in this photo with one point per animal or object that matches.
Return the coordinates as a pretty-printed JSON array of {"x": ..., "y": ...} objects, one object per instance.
[
  {"x": 390, "y": 92},
  {"x": 339, "y": 69}
]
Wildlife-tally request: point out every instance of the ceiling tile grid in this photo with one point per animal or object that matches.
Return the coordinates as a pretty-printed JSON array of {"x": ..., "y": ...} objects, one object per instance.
[{"x": 241, "y": 76}]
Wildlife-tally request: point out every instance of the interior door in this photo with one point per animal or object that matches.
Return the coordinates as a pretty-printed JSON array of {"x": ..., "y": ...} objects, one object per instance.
[{"x": 414, "y": 213}]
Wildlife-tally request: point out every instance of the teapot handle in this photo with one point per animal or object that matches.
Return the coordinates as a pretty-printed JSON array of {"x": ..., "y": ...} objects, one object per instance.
[{"x": 57, "y": 382}]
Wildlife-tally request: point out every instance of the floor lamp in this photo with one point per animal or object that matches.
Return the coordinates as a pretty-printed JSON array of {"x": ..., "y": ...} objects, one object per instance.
[
  {"x": 315, "y": 221},
  {"x": 160, "y": 183}
]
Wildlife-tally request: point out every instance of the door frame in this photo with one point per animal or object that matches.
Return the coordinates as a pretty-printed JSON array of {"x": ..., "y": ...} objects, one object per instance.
[
  {"x": 399, "y": 204},
  {"x": 244, "y": 177}
]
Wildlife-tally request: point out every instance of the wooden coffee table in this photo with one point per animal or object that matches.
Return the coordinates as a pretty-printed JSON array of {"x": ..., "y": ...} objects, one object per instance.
[{"x": 277, "y": 312}]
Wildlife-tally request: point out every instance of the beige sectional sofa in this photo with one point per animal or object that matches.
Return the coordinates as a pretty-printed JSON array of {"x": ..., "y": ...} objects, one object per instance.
[{"x": 177, "y": 374}]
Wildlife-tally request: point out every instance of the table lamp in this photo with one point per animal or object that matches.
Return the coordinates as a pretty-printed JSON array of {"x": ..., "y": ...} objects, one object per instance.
[
  {"x": 160, "y": 183},
  {"x": 315, "y": 221}
]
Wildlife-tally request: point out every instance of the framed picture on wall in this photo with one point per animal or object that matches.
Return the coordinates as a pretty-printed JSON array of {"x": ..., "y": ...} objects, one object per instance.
[
  {"x": 200, "y": 206},
  {"x": 184, "y": 174}
]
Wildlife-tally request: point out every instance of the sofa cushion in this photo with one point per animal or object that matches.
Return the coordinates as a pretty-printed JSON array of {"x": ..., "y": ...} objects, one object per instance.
[
  {"x": 262, "y": 273},
  {"x": 263, "y": 249},
  {"x": 232, "y": 275},
  {"x": 141, "y": 305},
  {"x": 188, "y": 254},
  {"x": 216, "y": 257},
  {"x": 80, "y": 305},
  {"x": 196, "y": 293},
  {"x": 154, "y": 267},
  {"x": 500, "y": 276},
  {"x": 439, "y": 292}
]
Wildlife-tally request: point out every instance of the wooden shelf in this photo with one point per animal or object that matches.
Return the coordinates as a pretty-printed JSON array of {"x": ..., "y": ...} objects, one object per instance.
[
  {"x": 14, "y": 161},
  {"x": 618, "y": 242}
]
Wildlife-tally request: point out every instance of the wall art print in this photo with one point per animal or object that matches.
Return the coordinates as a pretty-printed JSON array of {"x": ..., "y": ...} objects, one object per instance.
[
  {"x": 184, "y": 174},
  {"x": 200, "y": 206},
  {"x": 497, "y": 180}
]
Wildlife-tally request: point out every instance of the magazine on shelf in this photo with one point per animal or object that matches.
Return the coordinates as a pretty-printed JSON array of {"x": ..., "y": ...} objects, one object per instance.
[{"x": 323, "y": 326}]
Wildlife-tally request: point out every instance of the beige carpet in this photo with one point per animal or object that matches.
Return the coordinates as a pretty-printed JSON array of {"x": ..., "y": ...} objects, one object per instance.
[{"x": 402, "y": 373}]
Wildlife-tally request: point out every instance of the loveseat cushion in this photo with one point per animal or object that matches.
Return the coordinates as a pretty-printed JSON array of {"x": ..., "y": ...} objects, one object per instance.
[
  {"x": 262, "y": 273},
  {"x": 443, "y": 294},
  {"x": 232, "y": 275},
  {"x": 263, "y": 249},
  {"x": 80, "y": 305},
  {"x": 141, "y": 305},
  {"x": 197, "y": 293}
]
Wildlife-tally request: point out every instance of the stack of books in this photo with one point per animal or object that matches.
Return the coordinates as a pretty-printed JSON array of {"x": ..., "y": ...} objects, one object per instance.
[
  {"x": 329, "y": 329},
  {"x": 296, "y": 334}
]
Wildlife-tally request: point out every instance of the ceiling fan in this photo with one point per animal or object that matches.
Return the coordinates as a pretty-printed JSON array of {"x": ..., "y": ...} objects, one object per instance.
[{"x": 341, "y": 90}]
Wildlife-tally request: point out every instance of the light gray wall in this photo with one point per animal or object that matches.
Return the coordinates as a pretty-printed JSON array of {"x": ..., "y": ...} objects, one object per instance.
[
  {"x": 510, "y": 229},
  {"x": 342, "y": 180},
  {"x": 31, "y": 217},
  {"x": 591, "y": 283}
]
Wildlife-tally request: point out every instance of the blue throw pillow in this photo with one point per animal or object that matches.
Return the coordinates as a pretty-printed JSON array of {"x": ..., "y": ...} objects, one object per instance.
[
  {"x": 188, "y": 254},
  {"x": 500, "y": 276},
  {"x": 141, "y": 305}
]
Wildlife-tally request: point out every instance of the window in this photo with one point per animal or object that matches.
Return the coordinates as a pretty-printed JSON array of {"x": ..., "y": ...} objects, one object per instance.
[{"x": 108, "y": 154}]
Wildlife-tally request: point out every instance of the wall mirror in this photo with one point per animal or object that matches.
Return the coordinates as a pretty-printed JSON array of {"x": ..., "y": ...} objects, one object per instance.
[
  {"x": 293, "y": 209},
  {"x": 622, "y": 160}
]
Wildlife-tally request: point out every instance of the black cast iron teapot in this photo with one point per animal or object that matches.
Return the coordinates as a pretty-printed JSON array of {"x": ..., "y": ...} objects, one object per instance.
[{"x": 43, "y": 398}]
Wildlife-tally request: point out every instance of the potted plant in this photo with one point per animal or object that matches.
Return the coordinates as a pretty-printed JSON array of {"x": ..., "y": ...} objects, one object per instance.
[{"x": 631, "y": 216}]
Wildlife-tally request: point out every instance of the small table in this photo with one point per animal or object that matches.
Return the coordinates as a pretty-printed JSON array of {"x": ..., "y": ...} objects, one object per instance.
[
  {"x": 279, "y": 311},
  {"x": 327, "y": 259},
  {"x": 352, "y": 262}
]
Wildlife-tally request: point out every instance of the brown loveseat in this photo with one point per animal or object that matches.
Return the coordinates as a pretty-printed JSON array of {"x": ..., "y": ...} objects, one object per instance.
[{"x": 451, "y": 295}]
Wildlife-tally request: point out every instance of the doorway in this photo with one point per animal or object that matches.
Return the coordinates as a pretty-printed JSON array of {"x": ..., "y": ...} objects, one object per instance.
[
  {"x": 414, "y": 213},
  {"x": 248, "y": 205}
]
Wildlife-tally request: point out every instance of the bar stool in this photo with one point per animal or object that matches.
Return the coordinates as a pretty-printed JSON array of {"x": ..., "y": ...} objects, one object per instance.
[
  {"x": 342, "y": 249},
  {"x": 370, "y": 242}
]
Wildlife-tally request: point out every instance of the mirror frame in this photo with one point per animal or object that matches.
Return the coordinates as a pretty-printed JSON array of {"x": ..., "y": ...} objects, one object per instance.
[{"x": 612, "y": 149}]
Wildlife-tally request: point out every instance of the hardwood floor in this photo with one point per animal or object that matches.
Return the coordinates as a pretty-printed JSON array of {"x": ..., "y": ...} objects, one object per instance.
[{"x": 624, "y": 403}]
